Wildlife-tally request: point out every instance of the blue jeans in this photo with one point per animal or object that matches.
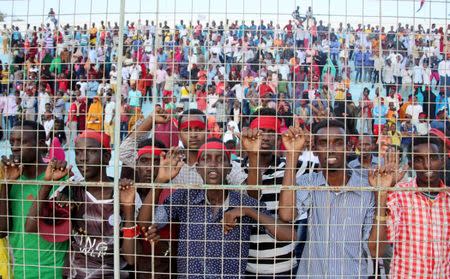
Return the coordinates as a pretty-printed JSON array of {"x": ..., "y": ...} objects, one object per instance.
[
  {"x": 358, "y": 73},
  {"x": 9, "y": 122},
  {"x": 302, "y": 230},
  {"x": 123, "y": 130}
]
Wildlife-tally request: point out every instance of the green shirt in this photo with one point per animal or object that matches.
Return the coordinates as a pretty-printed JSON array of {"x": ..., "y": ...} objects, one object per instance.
[{"x": 34, "y": 257}]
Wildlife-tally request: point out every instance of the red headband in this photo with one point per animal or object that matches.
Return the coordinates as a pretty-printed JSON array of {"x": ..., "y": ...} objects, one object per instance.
[
  {"x": 213, "y": 145},
  {"x": 266, "y": 122},
  {"x": 193, "y": 124},
  {"x": 100, "y": 137},
  {"x": 149, "y": 150},
  {"x": 442, "y": 136}
]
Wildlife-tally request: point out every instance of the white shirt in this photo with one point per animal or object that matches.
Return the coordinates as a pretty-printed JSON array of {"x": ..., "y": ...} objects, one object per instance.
[
  {"x": 43, "y": 98},
  {"x": 109, "y": 111},
  {"x": 414, "y": 111},
  {"x": 444, "y": 68},
  {"x": 48, "y": 126},
  {"x": 418, "y": 74}
]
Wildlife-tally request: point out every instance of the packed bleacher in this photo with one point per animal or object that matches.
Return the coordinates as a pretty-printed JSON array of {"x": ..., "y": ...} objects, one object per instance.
[{"x": 247, "y": 150}]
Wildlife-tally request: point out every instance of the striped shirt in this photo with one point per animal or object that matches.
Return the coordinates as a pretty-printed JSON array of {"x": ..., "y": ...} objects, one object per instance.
[
  {"x": 268, "y": 255},
  {"x": 339, "y": 225}
]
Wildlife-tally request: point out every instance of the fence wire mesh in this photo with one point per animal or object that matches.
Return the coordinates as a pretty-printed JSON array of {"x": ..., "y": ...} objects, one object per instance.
[{"x": 224, "y": 139}]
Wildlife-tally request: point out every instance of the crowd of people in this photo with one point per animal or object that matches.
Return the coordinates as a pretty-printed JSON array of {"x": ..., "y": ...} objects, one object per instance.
[{"x": 357, "y": 109}]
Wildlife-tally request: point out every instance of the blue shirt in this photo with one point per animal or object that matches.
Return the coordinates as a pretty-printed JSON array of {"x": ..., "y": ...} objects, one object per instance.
[
  {"x": 92, "y": 87},
  {"x": 134, "y": 97},
  {"x": 379, "y": 114},
  {"x": 204, "y": 251},
  {"x": 339, "y": 226}
]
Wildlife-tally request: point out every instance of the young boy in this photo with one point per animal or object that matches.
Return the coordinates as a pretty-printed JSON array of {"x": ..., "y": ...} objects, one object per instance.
[
  {"x": 211, "y": 243},
  {"x": 91, "y": 218},
  {"x": 416, "y": 222}
]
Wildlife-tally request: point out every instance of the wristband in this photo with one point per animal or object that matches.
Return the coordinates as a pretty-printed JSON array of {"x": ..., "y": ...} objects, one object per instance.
[{"x": 131, "y": 232}]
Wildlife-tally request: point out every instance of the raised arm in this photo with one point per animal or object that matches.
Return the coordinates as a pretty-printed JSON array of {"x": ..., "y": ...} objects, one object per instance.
[
  {"x": 129, "y": 145},
  {"x": 293, "y": 140},
  {"x": 169, "y": 167},
  {"x": 251, "y": 142},
  {"x": 384, "y": 176}
]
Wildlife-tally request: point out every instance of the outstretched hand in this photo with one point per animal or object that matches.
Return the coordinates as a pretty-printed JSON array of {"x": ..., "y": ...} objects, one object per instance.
[
  {"x": 388, "y": 174},
  {"x": 170, "y": 165}
]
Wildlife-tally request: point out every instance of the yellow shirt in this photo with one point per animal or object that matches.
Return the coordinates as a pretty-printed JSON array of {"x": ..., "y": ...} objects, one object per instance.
[
  {"x": 396, "y": 138},
  {"x": 4, "y": 252},
  {"x": 4, "y": 259}
]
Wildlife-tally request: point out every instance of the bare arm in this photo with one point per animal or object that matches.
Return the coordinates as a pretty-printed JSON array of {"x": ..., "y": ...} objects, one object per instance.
[
  {"x": 251, "y": 142},
  {"x": 287, "y": 209},
  {"x": 280, "y": 230},
  {"x": 378, "y": 234},
  {"x": 294, "y": 140}
]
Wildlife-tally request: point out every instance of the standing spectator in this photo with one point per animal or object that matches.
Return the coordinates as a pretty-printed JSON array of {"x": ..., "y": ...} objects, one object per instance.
[
  {"x": 134, "y": 97},
  {"x": 59, "y": 106},
  {"x": 413, "y": 111},
  {"x": 366, "y": 106},
  {"x": 328, "y": 212},
  {"x": 9, "y": 113},
  {"x": 43, "y": 100},
  {"x": 359, "y": 60},
  {"x": 29, "y": 105},
  {"x": 109, "y": 117},
  {"x": 94, "y": 119},
  {"x": 379, "y": 113},
  {"x": 410, "y": 231},
  {"x": 72, "y": 120}
]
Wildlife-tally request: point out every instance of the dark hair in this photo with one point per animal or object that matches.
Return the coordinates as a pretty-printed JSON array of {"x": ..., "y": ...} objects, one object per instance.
[
  {"x": 428, "y": 139},
  {"x": 192, "y": 112},
  {"x": 61, "y": 135},
  {"x": 327, "y": 123},
  {"x": 151, "y": 142},
  {"x": 264, "y": 111},
  {"x": 32, "y": 126}
]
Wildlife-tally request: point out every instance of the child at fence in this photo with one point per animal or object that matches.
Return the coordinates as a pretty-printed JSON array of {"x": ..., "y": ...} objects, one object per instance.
[
  {"x": 155, "y": 164},
  {"x": 340, "y": 222},
  {"x": 410, "y": 219},
  {"x": 211, "y": 242}
]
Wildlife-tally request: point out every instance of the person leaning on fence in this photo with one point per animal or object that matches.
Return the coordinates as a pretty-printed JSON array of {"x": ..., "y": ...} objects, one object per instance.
[
  {"x": 92, "y": 239},
  {"x": 339, "y": 222},
  {"x": 211, "y": 242},
  {"x": 264, "y": 165},
  {"x": 416, "y": 223},
  {"x": 155, "y": 165},
  {"x": 33, "y": 256}
]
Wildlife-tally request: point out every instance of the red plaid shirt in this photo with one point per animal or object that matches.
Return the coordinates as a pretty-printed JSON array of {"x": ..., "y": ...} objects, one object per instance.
[{"x": 419, "y": 229}]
